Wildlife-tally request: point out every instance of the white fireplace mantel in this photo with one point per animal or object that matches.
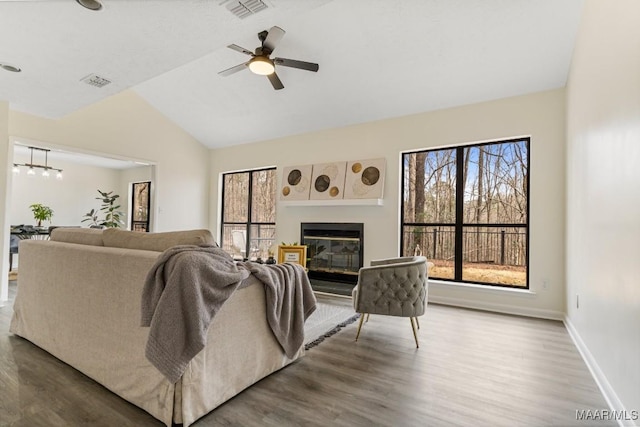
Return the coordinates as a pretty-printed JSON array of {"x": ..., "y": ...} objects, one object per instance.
[{"x": 339, "y": 202}]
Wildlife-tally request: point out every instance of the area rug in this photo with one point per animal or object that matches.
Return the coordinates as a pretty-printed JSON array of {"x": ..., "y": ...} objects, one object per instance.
[{"x": 327, "y": 320}]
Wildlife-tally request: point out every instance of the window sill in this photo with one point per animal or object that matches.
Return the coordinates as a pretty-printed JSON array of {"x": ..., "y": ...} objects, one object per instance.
[{"x": 482, "y": 288}]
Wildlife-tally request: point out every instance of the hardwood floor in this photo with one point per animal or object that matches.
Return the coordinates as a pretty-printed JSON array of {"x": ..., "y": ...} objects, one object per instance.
[{"x": 473, "y": 369}]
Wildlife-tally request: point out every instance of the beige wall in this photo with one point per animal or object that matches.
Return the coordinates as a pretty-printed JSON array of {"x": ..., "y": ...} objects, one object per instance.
[
  {"x": 126, "y": 125},
  {"x": 540, "y": 115},
  {"x": 603, "y": 203}
]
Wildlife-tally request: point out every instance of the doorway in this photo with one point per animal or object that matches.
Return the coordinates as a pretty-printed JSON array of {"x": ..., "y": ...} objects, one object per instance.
[{"x": 140, "y": 206}]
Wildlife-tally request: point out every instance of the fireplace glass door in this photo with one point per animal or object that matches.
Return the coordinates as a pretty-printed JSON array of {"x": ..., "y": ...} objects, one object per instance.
[{"x": 333, "y": 254}]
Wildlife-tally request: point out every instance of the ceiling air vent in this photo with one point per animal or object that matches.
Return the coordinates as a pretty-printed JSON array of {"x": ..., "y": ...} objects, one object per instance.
[
  {"x": 95, "y": 80},
  {"x": 244, "y": 8}
]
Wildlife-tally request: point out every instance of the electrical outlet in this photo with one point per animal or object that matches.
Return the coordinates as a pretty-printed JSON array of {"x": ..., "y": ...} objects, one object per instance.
[
  {"x": 577, "y": 301},
  {"x": 545, "y": 283}
]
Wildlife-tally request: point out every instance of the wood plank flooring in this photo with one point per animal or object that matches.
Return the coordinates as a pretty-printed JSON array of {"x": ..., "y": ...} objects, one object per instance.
[{"x": 473, "y": 369}]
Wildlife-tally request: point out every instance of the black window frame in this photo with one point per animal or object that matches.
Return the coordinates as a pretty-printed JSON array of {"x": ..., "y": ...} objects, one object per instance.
[
  {"x": 459, "y": 224},
  {"x": 248, "y": 223},
  {"x": 140, "y": 225}
]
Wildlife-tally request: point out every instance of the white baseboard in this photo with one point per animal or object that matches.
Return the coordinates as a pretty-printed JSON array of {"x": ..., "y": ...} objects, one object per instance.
[
  {"x": 601, "y": 380},
  {"x": 499, "y": 308}
]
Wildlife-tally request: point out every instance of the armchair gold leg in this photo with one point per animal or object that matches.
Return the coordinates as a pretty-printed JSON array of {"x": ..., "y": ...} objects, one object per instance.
[
  {"x": 368, "y": 316},
  {"x": 417, "y": 323},
  {"x": 413, "y": 327},
  {"x": 360, "y": 325}
]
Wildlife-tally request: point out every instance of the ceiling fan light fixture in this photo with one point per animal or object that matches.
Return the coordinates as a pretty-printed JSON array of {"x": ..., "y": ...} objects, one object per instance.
[
  {"x": 261, "y": 65},
  {"x": 90, "y": 4}
]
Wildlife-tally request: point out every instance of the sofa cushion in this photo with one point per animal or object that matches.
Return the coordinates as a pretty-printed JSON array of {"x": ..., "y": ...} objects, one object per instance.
[
  {"x": 158, "y": 242},
  {"x": 81, "y": 236}
]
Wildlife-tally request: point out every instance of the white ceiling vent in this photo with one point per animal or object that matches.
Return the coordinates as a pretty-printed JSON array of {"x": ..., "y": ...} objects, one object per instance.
[
  {"x": 95, "y": 80},
  {"x": 244, "y": 8}
]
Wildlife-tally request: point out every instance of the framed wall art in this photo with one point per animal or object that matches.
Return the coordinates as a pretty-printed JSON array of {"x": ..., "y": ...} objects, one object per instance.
[
  {"x": 296, "y": 182},
  {"x": 364, "y": 179},
  {"x": 327, "y": 181}
]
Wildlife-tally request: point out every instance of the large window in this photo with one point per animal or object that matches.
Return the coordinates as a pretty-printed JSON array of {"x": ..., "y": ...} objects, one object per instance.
[
  {"x": 467, "y": 210},
  {"x": 249, "y": 213}
]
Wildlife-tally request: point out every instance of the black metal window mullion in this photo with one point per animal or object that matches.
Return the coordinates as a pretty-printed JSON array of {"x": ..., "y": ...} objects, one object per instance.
[
  {"x": 249, "y": 215},
  {"x": 458, "y": 254},
  {"x": 222, "y": 212}
]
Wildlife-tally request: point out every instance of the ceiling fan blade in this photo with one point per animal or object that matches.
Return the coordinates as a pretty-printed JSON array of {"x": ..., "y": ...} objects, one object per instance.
[
  {"x": 309, "y": 66},
  {"x": 275, "y": 81},
  {"x": 235, "y": 69},
  {"x": 273, "y": 38},
  {"x": 240, "y": 49}
]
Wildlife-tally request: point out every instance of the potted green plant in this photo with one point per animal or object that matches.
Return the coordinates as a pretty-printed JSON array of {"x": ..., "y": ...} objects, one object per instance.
[
  {"x": 92, "y": 217},
  {"x": 41, "y": 213},
  {"x": 112, "y": 216}
]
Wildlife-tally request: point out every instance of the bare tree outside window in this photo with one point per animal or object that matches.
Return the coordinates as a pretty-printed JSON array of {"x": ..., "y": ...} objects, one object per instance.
[
  {"x": 249, "y": 213},
  {"x": 466, "y": 209}
]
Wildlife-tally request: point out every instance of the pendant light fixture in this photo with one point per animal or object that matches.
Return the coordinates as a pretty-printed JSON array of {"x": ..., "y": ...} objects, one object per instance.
[{"x": 32, "y": 166}]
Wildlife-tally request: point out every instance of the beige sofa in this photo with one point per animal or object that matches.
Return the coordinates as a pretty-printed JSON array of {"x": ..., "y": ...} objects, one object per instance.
[{"x": 79, "y": 299}]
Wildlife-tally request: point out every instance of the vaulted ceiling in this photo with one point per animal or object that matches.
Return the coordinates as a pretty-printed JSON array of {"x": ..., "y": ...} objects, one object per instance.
[{"x": 378, "y": 59}]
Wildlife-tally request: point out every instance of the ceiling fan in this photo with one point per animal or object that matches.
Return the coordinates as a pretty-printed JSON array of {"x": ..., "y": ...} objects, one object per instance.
[{"x": 261, "y": 64}]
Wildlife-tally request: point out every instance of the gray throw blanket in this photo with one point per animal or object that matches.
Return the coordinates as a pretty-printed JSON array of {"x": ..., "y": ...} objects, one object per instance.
[
  {"x": 290, "y": 301},
  {"x": 186, "y": 287},
  {"x": 182, "y": 293}
]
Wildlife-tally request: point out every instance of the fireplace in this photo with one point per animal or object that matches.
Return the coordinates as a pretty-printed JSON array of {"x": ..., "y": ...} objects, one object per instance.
[{"x": 334, "y": 254}]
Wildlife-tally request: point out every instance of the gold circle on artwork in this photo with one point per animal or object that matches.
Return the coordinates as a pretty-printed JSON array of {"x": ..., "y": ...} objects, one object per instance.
[
  {"x": 334, "y": 191},
  {"x": 286, "y": 190},
  {"x": 370, "y": 175},
  {"x": 356, "y": 167},
  {"x": 294, "y": 177}
]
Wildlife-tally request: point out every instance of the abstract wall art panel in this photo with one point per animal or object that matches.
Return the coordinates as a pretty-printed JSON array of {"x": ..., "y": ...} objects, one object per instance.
[
  {"x": 327, "y": 181},
  {"x": 364, "y": 179},
  {"x": 296, "y": 182}
]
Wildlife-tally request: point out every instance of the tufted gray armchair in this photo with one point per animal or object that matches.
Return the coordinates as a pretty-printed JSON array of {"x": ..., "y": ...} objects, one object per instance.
[{"x": 393, "y": 287}]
